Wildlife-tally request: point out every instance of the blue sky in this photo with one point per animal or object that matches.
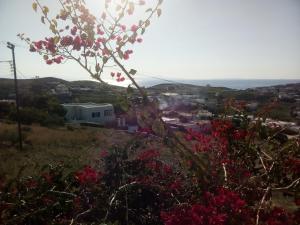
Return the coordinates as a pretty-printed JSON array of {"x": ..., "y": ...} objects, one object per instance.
[{"x": 193, "y": 39}]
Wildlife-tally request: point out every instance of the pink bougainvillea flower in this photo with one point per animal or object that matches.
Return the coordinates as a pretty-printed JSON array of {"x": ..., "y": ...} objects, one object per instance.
[
  {"x": 105, "y": 51},
  {"x": 32, "y": 49},
  {"x": 77, "y": 43},
  {"x": 87, "y": 175},
  {"x": 142, "y": 2},
  {"x": 101, "y": 40},
  {"x": 134, "y": 28},
  {"x": 49, "y": 61},
  {"x": 123, "y": 27},
  {"x": 126, "y": 56},
  {"x": 38, "y": 44},
  {"x": 128, "y": 52},
  {"x": 66, "y": 41},
  {"x": 100, "y": 32},
  {"x": 58, "y": 59},
  {"x": 73, "y": 31},
  {"x": 130, "y": 11}
]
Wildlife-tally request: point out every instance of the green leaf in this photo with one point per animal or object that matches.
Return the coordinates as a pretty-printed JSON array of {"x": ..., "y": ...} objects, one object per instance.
[
  {"x": 104, "y": 59},
  {"x": 160, "y": 2},
  {"x": 147, "y": 23},
  {"x": 97, "y": 67},
  {"x": 54, "y": 22},
  {"x": 34, "y": 6},
  {"x": 159, "y": 12},
  {"x": 56, "y": 39},
  {"x": 52, "y": 28},
  {"x": 132, "y": 72},
  {"x": 45, "y": 10},
  {"x": 43, "y": 19},
  {"x": 130, "y": 90},
  {"x": 121, "y": 55},
  {"x": 149, "y": 10},
  {"x": 143, "y": 31}
]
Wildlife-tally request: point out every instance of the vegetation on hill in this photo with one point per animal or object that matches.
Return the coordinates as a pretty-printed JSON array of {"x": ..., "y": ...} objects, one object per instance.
[{"x": 42, "y": 109}]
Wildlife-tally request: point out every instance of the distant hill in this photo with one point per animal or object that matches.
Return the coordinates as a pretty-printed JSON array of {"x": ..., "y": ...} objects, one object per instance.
[
  {"x": 96, "y": 92},
  {"x": 237, "y": 84},
  {"x": 291, "y": 85},
  {"x": 66, "y": 91},
  {"x": 181, "y": 86},
  {"x": 188, "y": 89}
]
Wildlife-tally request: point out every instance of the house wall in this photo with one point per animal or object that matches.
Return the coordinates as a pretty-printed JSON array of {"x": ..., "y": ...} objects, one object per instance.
[
  {"x": 95, "y": 114},
  {"x": 87, "y": 114}
]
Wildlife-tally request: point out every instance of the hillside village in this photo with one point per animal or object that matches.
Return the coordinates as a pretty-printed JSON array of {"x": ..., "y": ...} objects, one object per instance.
[{"x": 183, "y": 106}]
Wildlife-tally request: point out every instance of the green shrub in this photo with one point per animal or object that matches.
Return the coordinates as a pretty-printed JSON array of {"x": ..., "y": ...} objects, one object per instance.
[
  {"x": 53, "y": 120},
  {"x": 33, "y": 115}
]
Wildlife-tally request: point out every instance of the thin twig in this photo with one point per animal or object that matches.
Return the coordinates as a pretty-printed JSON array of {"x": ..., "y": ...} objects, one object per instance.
[
  {"x": 114, "y": 195},
  {"x": 294, "y": 183},
  {"x": 261, "y": 204},
  {"x": 225, "y": 173}
]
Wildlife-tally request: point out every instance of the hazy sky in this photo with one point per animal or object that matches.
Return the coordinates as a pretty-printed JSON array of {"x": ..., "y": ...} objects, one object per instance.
[{"x": 193, "y": 39}]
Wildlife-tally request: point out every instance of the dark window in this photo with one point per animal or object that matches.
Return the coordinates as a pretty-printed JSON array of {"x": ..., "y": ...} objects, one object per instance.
[
  {"x": 95, "y": 114},
  {"x": 108, "y": 112}
]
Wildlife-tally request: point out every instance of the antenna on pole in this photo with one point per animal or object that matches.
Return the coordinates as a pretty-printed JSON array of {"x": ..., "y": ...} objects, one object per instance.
[{"x": 12, "y": 47}]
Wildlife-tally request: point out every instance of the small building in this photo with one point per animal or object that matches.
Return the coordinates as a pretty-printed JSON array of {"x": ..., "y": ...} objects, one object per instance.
[
  {"x": 204, "y": 115},
  {"x": 8, "y": 101},
  {"x": 101, "y": 114},
  {"x": 62, "y": 89}
]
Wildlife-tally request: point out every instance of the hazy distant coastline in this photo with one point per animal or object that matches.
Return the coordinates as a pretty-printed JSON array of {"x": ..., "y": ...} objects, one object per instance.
[
  {"x": 229, "y": 83},
  {"x": 239, "y": 84}
]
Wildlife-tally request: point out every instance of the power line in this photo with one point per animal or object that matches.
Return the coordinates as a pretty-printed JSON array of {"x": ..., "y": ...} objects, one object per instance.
[
  {"x": 22, "y": 75},
  {"x": 16, "y": 45},
  {"x": 12, "y": 48},
  {"x": 111, "y": 69}
]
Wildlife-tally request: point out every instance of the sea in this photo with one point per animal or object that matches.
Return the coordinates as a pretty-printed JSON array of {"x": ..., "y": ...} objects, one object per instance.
[{"x": 239, "y": 84}]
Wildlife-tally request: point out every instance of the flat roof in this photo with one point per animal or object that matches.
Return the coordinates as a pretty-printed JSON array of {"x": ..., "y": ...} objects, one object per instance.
[{"x": 88, "y": 104}]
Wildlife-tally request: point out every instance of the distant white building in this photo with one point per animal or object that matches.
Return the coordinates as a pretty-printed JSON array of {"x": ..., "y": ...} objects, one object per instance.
[
  {"x": 62, "y": 89},
  {"x": 90, "y": 113},
  {"x": 204, "y": 115}
]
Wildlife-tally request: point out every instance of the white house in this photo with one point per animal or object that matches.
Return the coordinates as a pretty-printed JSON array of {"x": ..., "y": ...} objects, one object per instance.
[
  {"x": 61, "y": 89},
  {"x": 90, "y": 113}
]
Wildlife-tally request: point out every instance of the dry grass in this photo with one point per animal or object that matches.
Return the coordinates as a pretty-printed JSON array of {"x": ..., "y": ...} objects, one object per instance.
[{"x": 43, "y": 146}]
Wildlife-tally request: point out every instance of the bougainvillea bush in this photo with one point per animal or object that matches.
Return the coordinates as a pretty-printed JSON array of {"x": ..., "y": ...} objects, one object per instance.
[
  {"x": 231, "y": 172},
  {"x": 127, "y": 185}
]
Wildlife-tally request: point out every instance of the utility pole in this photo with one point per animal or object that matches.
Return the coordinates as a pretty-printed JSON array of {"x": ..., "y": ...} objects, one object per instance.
[{"x": 12, "y": 47}]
